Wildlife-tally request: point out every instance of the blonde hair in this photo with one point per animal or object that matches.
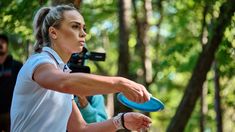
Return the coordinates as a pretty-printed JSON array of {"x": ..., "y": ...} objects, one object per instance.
[{"x": 44, "y": 18}]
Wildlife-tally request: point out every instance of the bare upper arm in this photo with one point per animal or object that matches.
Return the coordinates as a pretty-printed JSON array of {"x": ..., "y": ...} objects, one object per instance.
[{"x": 47, "y": 76}]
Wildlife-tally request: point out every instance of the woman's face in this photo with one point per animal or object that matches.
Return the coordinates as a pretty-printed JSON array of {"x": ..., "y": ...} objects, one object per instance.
[{"x": 70, "y": 36}]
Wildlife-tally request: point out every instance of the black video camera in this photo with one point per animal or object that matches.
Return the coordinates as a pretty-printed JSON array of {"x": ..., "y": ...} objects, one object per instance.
[{"x": 77, "y": 61}]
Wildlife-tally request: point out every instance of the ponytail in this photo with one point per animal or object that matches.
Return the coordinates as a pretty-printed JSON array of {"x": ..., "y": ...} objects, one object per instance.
[
  {"x": 44, "y": 18},
  {"x": 38, "y": 28}
]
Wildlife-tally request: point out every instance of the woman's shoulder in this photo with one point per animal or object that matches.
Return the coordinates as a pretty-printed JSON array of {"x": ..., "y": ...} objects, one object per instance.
[
  {"x": 34, "y": 61},
  {"x": 38, "y": 57}
]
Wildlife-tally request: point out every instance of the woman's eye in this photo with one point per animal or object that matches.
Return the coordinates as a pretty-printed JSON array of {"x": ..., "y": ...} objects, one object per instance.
[{"x": 75, "y": 26}]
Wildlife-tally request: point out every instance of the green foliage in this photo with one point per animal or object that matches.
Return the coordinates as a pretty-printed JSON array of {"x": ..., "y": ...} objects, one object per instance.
[
  {"x": 16, "y": 21},
  {"x": 173, "y": 57},
  {"x": 178, "y": 53},
  {"x": 102, "y": 32}
]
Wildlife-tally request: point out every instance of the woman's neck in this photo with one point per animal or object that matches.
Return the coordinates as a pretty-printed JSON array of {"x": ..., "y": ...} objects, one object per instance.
[{"x": 64, "y": 56}]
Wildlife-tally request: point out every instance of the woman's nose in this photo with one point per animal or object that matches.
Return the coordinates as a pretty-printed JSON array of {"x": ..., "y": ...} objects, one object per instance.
[{"x": 82, "y": 33}]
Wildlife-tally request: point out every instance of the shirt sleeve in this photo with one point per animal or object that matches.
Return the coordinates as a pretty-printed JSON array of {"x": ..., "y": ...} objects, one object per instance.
[
  {"x": 35, "y": 61},
  {"x": 95, "y": 110}
]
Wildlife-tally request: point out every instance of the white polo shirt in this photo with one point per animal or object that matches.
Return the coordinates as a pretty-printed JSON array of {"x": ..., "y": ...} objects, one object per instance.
[{"x": 37, "y": 109}]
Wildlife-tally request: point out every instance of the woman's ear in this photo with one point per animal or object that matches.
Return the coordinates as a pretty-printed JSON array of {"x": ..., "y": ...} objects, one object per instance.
[{"x": 52, "y": 33}]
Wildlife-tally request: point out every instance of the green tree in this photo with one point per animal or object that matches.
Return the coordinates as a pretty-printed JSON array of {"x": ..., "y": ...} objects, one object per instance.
[{"x": 203, "y": 65}]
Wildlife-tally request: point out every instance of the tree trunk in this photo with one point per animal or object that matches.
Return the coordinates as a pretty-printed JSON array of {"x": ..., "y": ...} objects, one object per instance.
[
  {"x": 203, "y": 38},
  {"x": 203, "y": 107},
  {"x": 160, "y": 10},
  {"x": 194, "y": 87},
  {"x": 143, "y": 41},
  {"x": 159, "y": 6},
  {"x": 147, "y": 65},
  {"x": 142, "y": 46},
  {"x": 219, "y": 123},
  {"x": 124, "y": 26},
  {"x": 124, "y": 7}
]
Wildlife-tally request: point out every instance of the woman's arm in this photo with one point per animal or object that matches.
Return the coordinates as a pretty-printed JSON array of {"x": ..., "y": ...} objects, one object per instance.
[
  {"x": 131, "y": 120},
  {"x": 85, "y": 84},
  {"x": 77, "y": 124},
  {"x": 76, "y": 121}
]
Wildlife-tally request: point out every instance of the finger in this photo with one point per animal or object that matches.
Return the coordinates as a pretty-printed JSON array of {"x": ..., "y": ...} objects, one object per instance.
[
  {"x": 137, "y": 97},
  {"x": 141, "y": 97},
  {"x": 146, "y": 124},
  {"x": 147, "y": 119},
  {"x": 142, "y": 129},
  {"x": 130, "y": 96},
  {"x": 144, "y": 93}
]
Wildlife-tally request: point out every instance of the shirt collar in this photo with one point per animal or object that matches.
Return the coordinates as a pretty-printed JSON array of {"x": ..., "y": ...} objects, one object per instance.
[{"x": 57, "y": 58}]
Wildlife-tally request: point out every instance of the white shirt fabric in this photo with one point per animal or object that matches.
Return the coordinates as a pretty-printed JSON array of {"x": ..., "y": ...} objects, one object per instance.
[{"x": 37, "y": 109}]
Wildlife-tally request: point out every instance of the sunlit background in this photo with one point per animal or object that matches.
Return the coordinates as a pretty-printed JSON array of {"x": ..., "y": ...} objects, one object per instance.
[{"x": 176, "y": 32}]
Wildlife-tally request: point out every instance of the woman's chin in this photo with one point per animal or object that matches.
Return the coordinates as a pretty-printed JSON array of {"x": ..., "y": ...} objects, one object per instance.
[{"x": 78, "y": 50}]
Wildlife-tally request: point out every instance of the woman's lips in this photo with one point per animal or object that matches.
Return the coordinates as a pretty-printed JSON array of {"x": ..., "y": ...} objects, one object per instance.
[{"x": 82, "y": 43}]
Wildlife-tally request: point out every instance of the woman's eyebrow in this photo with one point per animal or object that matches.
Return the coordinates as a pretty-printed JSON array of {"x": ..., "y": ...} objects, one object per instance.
[{"x": 77, "y": 23}]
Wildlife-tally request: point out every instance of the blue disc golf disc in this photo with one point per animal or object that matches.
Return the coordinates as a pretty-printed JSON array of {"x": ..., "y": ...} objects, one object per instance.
[{"x": 152, "y": 105}]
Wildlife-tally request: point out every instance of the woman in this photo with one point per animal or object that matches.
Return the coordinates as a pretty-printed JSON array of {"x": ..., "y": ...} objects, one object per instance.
[{"x": 43, "y": 96}]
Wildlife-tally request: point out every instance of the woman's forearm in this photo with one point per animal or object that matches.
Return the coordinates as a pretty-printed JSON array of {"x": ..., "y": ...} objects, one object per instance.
[
  {"x": 100, "y": 127},
  {"x": 77, "y": 123},
  {"x": 88, "y": 84}
]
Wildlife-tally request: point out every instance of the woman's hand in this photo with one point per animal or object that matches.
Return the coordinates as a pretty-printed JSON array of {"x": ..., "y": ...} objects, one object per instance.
[
  {"x": 134, "y": 91},
  {"x": 82, "y": 101},
  {"x": 136, "y": 121}
]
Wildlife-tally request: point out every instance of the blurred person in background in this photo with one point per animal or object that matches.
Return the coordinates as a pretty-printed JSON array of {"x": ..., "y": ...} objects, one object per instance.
[
  {"x": 92, "y": 108},
  {"x": 9, "y": 69}
]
